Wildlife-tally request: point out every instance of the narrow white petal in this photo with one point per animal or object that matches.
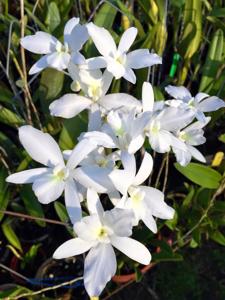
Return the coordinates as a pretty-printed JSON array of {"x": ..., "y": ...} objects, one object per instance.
[
  {"x": 211, "y": 104},
  {"x": 69, "y": 105},
  {"x": 178, "y": 92},
  {"x": 72, "y": 247},
  {"x": 40, "y": 43},
  {"x": 132, "y": 248},
  {"x": 148, "y": 220},
  {"x": 129, "y": 75},
  {"x": 200, "y": 96},
  {"x": 47, "y": 188},
  {"x": 72, "y": 201},
  {"x": 99, "y": 267},
  {"x": 141, "y": 58},
  {"x": 94, "y": 203},
  {"x": 94, "y": 118},
  {"x": 96, "y": 63},
  {"x": 81, "y": 150},
  {"x": 144, "y": 170},
  {"x": 196, "y": 154},
  {"x": 27, "y": 176},
  {"x": 102, "y": 39},
  {"x": 40, "y": 65},
  {"x": 106, "y": 81},
  {"x": 127, "y": 39},
  {"x": 161, "y": 141},
  {"x": 40, "y": 146},
  {"x": 129, "y": 163},
  {"x": 121, "y": 180},
  {"x": 87, "y": 227},
  {"x": 147, "y": 96},
  {"x": 70, "y": 26},
  {"x": 136, "y": 144}
]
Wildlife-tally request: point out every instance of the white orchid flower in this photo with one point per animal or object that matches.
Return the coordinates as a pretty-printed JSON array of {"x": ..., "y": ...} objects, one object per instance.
[
  {"x": 148, "y": 103},
  {"x": 145, "y": 201},
  {"x": 98, "y": 233},
  {"x": 199, "y": 104},
  {"x": 49, "y": 182},
  {"x": 117, "y": 60},
  {"x": 162, "y": 125},
  {"x": 192, "y": 135},
  {"x": 56, "y": 54},
  {"x": 124, "y": 131}
]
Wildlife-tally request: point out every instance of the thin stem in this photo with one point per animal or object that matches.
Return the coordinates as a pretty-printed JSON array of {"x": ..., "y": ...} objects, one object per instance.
[
  {"x": 166, "y": 173},
  {"x": 95, "y": 10},
  {"x": 118, "y": 290},
  {"x": 160, "y": 171},
  {"x": 20, "y": 215},
  {"x": 25, "y": 295},
  {"x": 150, "y": 177}
]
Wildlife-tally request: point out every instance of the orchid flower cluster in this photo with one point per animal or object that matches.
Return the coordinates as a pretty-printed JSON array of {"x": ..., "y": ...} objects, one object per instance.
[{"x": 103, "y": 160}]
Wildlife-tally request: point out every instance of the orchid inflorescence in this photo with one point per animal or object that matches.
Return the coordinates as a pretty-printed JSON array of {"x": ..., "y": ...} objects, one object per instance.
[{"x": 103, "y": 161}]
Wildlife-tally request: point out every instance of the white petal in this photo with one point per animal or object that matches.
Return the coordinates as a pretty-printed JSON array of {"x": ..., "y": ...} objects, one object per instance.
[
  {"x": 141, "y": 58},
  {"x": 136, "y": 144},
  {"x": 154, "y": 199},
  {"x": 58, "y": 60},
  {"x": 121, "y": 180},
  {"x": 102, "y": 39},
  {"x": 101, "y": 138},
  {"x": 72, "y": 247},
  {"x": 94, "y": 118},
  {"x": 95, "y": 178},
  {"x": 70, "y": 26},
  {"x": 196, "y": 154},
  {"x": 77, "y": 58},
  {"x": 211, "y": 104},
  {"x": 27, "y": 176},
  {"x": 47, "y": 188},
  {"x": 182, "y": 157},
  {"x": 129, "y": 163},
  {"x": 132, "y": 248},
  {"x": 99, "y": 267},
  {"x": 178, "y": 92},
  {"x": 87, "y": 227},
  {"x": 129, "y": 75},
  {"x": 81, "y": 150},
  {"x": 127, "y": 39},
  {"x": 40, "y": 65},
  {"x": 106, "y": 81},
  {"x": 69, "y": 105},
  {"x": 144, "y": 170},
  {"x": 40, "y": 146},
  {"x": 161, "y": 141},
  {"x": 174, "y": 119},
  {"x": 197, "y": 125},
  {"x": 72, "y": 201},
  {"x": 200, "y": 96},
  {"x": 148, "y": 220},
  {"x": 96, "y": 63},
  {"x": 94, "y": 203},
  {"x": 147, "y": 96},
  {"x": 40, "y": 43},
  {"x": 120, "y": 220},
  {"x": 119, "y": 100}
]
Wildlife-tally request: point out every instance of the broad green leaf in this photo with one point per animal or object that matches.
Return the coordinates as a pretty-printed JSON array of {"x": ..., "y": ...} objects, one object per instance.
[
  {"x": 10, "y": 118},
  {"x": 213, "y": 60},
  {"x": 106, "y": 16},
  {"x": 33, "y": 207},
  {"x": 218, "y": 12},
  {"x": 10, "y": 234},
  {"x": 53, "y": 17},
  {"x": 201, "y": 175}
]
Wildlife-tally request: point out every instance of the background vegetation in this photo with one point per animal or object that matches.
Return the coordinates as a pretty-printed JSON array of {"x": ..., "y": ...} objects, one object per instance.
[{"x": 190, "y": 37}]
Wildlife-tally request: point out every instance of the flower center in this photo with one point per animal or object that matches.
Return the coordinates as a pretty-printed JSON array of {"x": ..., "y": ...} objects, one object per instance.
[
  {"x": 155, "y": 127},
  {"x": 183, "y": 136},
  {"x": 120, "y": 58},
  {"x": 94, "y": 92},
  {"x": 191, "y": 103},
  {"x": 60, "y": 173},
  {"x": 136, "y": 195},
  {"x": 62, "y": 48},
  {"x": 102, "y": 234}
]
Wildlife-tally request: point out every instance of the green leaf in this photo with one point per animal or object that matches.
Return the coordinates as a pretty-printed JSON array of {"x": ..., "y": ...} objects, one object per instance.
[
  {"x": 53, "y": 17},
  {"x": 222, "y": 138},
  {"x": 106, "y": 16},
  {"x": 10, "y": 234},
  {"x": 33, "y": 207},
  {"x": 4, "y": 192},
  {"x": 218, "y": 12},
  {"x": 61, "y": 211},
  {"x": 213, "y": 61},
  {"x": 218, "y": 237},
  {"x": 201, "y": 175},
  {"x": 10, "y": 118}
]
